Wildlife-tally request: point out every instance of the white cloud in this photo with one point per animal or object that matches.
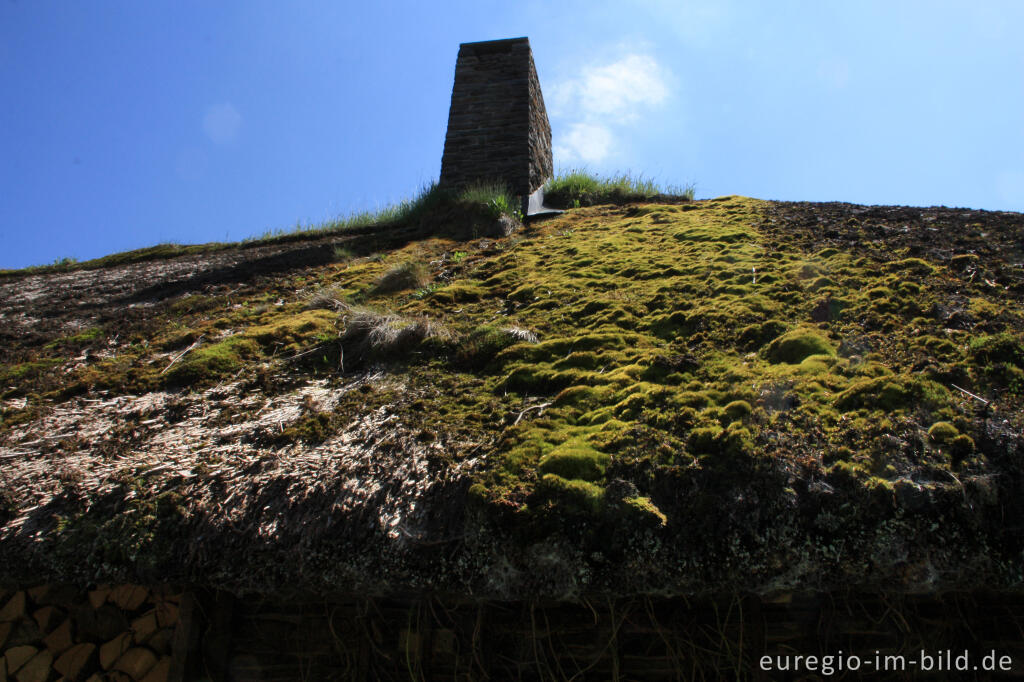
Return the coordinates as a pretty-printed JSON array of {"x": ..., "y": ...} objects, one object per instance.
[
  {"x": 621, "y": 88},
  {"x": 602, "y": 99},
  {"x": 587, "y": 142},
  {"x": 221, "y": 123}
]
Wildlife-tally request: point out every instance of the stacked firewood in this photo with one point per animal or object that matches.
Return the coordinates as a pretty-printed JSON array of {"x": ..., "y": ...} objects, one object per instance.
[{"x": 121, "y": 633}]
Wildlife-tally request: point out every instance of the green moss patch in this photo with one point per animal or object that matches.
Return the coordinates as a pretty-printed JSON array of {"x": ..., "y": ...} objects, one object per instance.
[
  {"x": 795, "y": 346},
  {"x": 575, "y": 459},
  {"x": 294, "y": 332},
  {"x": 892, "y": 393},
  {"x": 571, "y": 495},
  {"x": 1005, "y": 348},
  {"x": 942, "y": 432},
  {"x": 409, "y": 275},
  {"x": 215, "y": 361},
  {"x": 467, "y": 291},
  {"x": 27, "y": 370},
  {"x": 631, "y": 372}
]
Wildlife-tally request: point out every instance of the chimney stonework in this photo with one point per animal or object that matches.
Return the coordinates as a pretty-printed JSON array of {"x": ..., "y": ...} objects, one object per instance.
[{"x": 498, "y": 128}]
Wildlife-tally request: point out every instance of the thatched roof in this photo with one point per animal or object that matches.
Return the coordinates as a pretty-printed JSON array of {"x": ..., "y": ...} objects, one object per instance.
[{"x": 638, "y": 399}]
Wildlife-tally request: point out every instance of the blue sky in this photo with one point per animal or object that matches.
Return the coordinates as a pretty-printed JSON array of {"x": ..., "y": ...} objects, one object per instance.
[{"x": 126, "y": 124}]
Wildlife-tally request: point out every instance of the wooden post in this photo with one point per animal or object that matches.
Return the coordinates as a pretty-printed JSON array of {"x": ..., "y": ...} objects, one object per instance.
[
  {"x": 185, "y": 649},
  {"x": 217, "y": 636}
]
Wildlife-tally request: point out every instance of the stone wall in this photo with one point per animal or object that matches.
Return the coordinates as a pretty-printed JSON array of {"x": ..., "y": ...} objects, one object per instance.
[{"x": 498, "y": 127}]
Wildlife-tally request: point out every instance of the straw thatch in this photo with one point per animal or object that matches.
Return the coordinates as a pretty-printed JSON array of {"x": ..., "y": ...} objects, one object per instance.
[{"x": 335, "y": 452}]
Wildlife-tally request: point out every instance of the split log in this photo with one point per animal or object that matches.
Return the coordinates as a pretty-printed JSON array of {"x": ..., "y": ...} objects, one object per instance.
[
  {"x": 128, "y": 597},
  {"x": 161, "y": 641},
  {"x": 60, "y": 639},
  {"x": 100, "y": 624},
  {"x": 144, "y": 626},
  {"x": 38, "y": 593},
  {"x": 160, "y": 672},
  {"x": 18, "y": 656},
  {"x": 23, "y": 631},
  {"x": 5, "y": 631},
  {"x": 167, "y": 614},
  {"x": 37, "y": 669},
  {"x": 48, "y": 618},
  {"x": 72, "y": 662},
  {"x": 99, "y": 596},
  {"x": 14, "y": 608},
  {"x": 112, "y": 650},
  {"x": 136, "y": 662},
  {"x": 166, "y": 592}
]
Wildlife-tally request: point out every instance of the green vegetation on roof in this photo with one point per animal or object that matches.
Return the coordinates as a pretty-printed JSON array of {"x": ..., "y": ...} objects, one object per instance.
[
  {"x": 640, "y": 369},
  {"x": 578, "y": 187}
]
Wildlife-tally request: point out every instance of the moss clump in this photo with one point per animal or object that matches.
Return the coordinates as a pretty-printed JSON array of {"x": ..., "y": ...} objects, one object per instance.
[
  {"x": 736, "y": 442},
  {"x": 890, "y": 393},
  {"x": 821, "y": 283},
  {"x": 584, "y": 398},
  {"x": 459, "y": 292},
  {"x": 792, "y": 347},
  {"x": 644, "y": 512},
  {"x": 963, "y": 261},
  {"x": 999, "y": 358},
  {"x": 738, "y": 410},
  {"x": 408, "y": 275},
  {"x": 572, "y": 495},
  {"x": 295, "y": 331},
  {"x": 911, "y": 266},
  {"x": 754, "y": 336},
  {"x": 28, "y": 370},
  {"x": 847, "y": 474},
  {"x": 999, "y": 348},
  {"x": 486, "y": 341},
  {"x": 575, "y": 460},
  {"x": 83, "y": 338},
  {"x": 313, "y": 428},
  {"x": 177, "y": 339},
  {"x": 961, "y": 447},
  {"x": 213, "y": 362},
  {"x": 942, "y": 433},
  {"x": 704, "y": 440},
  {"x": 817, "y": 364}
]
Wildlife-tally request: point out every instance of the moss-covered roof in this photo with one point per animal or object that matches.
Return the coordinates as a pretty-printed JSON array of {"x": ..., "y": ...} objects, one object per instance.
[{"x": 631, "y": 399}]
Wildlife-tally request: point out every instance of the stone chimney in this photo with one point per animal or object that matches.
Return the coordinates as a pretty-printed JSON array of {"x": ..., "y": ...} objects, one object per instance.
[{"x": 498, "y": 128}]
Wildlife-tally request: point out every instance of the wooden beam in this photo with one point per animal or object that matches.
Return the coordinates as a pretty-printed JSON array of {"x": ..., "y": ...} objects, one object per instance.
[
  {"x": 217, "y": 636},
  {"x": 185, "y": 649}
]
